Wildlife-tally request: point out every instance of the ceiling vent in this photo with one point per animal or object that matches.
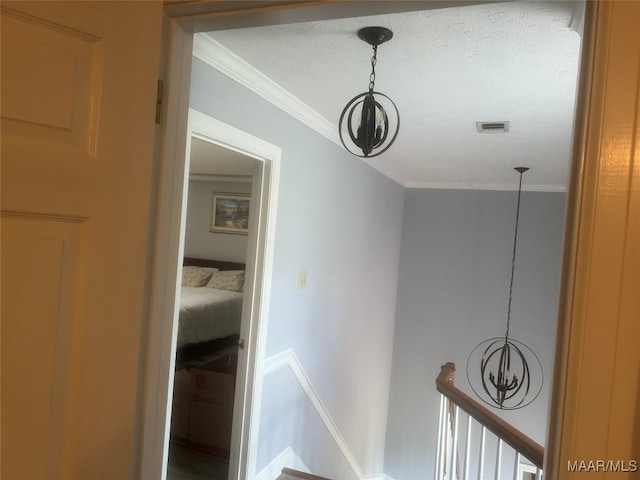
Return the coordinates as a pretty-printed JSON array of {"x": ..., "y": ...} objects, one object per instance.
[{"x": 492, "y": 127}]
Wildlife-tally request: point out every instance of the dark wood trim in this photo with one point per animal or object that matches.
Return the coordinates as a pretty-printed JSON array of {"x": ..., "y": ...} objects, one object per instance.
[
  {"x": 192, "y": 8},
  {"x": 219, "y": 264},
  {"x": 211, "y": 15},
  {"x": 528, "y": 447},
  {"x": 216, "y": 14},
  {"x": 298, "y": 474}
]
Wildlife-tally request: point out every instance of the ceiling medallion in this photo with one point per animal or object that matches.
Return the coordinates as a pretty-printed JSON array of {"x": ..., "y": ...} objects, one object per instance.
[{"x": 370, "y": 120}]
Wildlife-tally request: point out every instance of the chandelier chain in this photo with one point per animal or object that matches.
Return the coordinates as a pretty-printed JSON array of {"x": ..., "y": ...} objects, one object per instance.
[
  {"x": 372, "y": 77},
  {"x": 513, "y": 259}
]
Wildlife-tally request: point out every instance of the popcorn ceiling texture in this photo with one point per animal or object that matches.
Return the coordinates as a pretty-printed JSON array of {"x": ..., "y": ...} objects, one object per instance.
[{"x": 446, "y": 69}]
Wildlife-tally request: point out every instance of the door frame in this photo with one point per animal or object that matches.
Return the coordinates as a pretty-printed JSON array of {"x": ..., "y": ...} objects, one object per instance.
[
  {"x": 593, "y": 169},
  {"x": 257, "y": 288},
  {"x": 180, "y": 123}
]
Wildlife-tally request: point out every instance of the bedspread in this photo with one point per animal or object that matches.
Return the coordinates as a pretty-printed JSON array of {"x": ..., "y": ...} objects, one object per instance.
[{"x": 208, "y": 313}]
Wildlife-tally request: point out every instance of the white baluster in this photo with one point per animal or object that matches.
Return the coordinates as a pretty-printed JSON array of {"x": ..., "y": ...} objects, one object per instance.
[
  {"x": 467, "y": 448},
  {"x": 438, "y": 473},
  {"x": 498, "y": 460},
  {"x": 445, "y": 439},
  {"x": 481, "y": 462},
  {"x": 454, "y": 445},
  {"x": 516, "y": 466}
]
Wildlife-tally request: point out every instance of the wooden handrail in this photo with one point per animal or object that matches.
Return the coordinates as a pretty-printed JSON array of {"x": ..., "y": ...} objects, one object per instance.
[{"x": 528, "y": 447}]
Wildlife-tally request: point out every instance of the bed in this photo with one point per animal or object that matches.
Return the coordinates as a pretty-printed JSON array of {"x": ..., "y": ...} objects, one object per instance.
[{"x": 210, "y": 312}]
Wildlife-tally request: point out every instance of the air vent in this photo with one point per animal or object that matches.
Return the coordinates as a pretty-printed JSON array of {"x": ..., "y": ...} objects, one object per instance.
[{"x": 492, "y": 127}]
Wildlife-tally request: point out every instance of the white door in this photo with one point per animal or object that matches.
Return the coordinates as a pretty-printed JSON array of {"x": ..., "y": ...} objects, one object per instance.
[{"x": 78, "y": 100}]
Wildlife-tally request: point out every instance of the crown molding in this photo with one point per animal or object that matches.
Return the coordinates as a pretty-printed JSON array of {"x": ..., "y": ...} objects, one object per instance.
[
  {"x": 486, "y": 186},
  {"x": 224, "y": 60},
  {"x": 228, "y": 63}
]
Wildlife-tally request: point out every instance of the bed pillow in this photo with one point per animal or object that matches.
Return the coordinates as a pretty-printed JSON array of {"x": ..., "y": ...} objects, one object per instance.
[
  {"x": 196, "y": 276},
  {"x": 227, "y": 280}
]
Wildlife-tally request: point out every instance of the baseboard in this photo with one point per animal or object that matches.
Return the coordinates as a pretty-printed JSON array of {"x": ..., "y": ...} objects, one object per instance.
[
  {"x": 288, "y": 358},
  {"x": 288, "y": 458}
]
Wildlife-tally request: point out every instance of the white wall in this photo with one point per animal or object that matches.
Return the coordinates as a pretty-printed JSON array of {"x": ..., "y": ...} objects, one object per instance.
[
  {"x": 340, "y": 221},
  {"x": 199, "y": 241},
  {"x": 455, "y": 266}
]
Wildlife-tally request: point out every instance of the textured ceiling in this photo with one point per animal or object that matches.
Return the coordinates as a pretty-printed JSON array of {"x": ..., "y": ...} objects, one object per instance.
[{"x": 446, "y": 69}]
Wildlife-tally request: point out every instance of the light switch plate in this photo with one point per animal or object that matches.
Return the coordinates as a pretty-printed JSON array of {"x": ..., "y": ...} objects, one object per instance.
[{"x": 302, "y": 279}]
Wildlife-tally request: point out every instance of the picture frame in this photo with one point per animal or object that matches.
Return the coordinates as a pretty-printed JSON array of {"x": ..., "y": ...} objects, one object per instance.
[{"x": 230, "y": 213}]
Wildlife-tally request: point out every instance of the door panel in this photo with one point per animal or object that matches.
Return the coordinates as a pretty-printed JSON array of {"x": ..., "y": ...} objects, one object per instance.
[
  {"x": 40, "y": 315},
  {"x": 60, "y": 111},
  {"x": 78, "y": 103}
]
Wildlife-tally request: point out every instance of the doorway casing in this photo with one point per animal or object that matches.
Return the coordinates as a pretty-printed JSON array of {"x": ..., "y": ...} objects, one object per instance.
[
  {"x": 260, "y": 246},
  {"x": 183, "y": 123},
  {"x": 609, "y": 88}
]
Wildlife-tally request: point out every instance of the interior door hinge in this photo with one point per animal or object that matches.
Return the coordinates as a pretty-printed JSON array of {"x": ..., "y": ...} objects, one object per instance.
[{"x": 159, "y": 95}]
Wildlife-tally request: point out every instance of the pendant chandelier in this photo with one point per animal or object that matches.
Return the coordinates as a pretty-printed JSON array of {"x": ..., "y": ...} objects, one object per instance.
[
  {"x": 510, "y": 372},
  {"x": 365, "y": 120}
]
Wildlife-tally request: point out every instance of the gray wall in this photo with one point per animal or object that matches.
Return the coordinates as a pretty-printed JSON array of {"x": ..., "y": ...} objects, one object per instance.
[
  {"x": 341, "y": 221},
  {"x": 455, "y": 265},
  {"x": 199, "y": 241}
]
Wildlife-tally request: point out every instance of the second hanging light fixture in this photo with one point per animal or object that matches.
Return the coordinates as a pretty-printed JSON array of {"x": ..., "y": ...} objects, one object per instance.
[{"x": 504, "y": 372}]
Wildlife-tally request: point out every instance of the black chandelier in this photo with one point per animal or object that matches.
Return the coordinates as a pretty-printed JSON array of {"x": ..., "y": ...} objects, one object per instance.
[
  {"x": 510, "y": 372},
  {"x": 373, "y": 134}
]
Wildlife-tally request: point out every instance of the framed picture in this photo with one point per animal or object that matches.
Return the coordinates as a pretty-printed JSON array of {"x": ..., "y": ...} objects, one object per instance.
[{"x": 230, "y": 213}]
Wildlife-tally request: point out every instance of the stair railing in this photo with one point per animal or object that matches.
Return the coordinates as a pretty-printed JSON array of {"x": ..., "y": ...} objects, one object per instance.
[{"x": 465, "y": 456}]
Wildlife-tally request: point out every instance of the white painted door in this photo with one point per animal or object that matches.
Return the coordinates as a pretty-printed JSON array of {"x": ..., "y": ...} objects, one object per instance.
[{"x": 78, "y": 102}]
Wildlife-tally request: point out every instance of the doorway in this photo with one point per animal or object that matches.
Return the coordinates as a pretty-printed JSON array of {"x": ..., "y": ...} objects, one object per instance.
[
  {"x": 261, "y": 160},
  {"x": 210, "y": 309},
  {"x": 418, "y": 278}
]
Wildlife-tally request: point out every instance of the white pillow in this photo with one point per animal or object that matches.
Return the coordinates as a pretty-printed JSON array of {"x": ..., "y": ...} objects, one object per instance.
[
  {"x": 193, "y": 276},
  {"x": 227, "y": 280}
]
